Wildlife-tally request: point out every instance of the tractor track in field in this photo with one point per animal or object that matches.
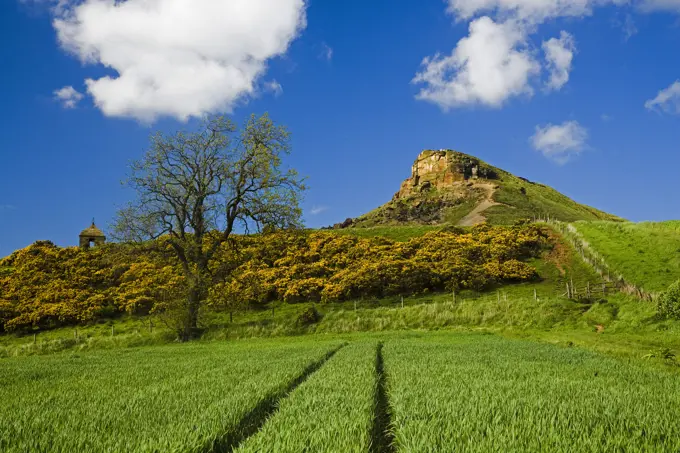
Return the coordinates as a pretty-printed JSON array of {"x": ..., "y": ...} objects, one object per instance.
[
  {"x": 381, "y": 432},
  {"x": 253, "y": 421}
]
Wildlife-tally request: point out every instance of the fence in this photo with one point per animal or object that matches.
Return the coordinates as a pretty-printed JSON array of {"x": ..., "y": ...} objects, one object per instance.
[{"x": 595, "y": 260}]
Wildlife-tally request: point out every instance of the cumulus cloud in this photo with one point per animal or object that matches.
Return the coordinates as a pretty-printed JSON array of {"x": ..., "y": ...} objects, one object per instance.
[
  {"x": 668, "y": 100},
  {"x": 316, "y": 210},
  {"x": 560, "y": 142},
  {"x": 494, "y": 62},
  {"x": 487, "y": 67},
  {"x": 68, "y": 96},
  {"x": 559, "y": 54},
  {"x": 174, "y": 57}
]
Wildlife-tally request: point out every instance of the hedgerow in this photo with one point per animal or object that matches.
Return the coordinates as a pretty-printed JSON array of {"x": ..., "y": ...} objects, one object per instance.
[{"x": 50, "y": 286}]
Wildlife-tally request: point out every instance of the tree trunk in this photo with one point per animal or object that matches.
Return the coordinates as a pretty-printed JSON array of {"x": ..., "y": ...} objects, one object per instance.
[{"x": 191, "y": 329}]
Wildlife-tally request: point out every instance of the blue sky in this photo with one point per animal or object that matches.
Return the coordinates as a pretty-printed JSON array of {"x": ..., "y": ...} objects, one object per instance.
[{"x": 577, "y": 94}]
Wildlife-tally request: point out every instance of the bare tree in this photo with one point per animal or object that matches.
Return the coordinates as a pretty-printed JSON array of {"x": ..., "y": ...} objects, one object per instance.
[{"x": 200, "y": 188}]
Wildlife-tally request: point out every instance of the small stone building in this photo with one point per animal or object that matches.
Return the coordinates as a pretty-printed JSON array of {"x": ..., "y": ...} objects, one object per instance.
[{"x": 92, "y": 236}]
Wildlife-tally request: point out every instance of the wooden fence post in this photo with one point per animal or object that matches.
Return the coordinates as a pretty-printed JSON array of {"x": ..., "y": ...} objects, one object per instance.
[
  {"x": 535, "y": 294},
  {"x": 402, "y": 301}
]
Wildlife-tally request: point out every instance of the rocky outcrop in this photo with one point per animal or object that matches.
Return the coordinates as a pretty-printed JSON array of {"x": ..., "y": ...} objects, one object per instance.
[{"x": 435, "y": 170}]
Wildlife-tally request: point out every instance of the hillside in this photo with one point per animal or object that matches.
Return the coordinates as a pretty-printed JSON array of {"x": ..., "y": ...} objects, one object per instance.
[
  {"x": 455, "y": 188},
  {"x": 645, "y": 254}
]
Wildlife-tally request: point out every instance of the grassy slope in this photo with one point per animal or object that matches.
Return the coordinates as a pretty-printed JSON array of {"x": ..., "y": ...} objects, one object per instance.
[
  {"x": 539, "y": 200},
  {"x": 630, "y": 326},
  {"x": 646, "y": 254}
]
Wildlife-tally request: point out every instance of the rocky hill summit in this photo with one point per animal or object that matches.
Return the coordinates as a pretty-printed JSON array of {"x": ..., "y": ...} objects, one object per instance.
[
  {"x": 443, "y": 169},
  {"x": 450, "y": 187}
]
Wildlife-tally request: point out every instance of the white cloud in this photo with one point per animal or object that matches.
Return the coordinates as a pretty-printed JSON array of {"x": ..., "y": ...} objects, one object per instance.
[
  {"x": 627, "y": 25},
  {"x": 68, "y": 97},
  {"x": 273, "y": 87},
  {"x": 174, "y": 57},
  {"x": 534, "y": 11},
  {"x": 560, "y": 142},
  {"x": 668, "y": 99},
  {"x": 316, "y": 210},
  {"x": 7, "y": 207},
  {"x": 559, "y": 54},
  {"x": 660, "y": 5},
  {"x": 326, "y": 52},
  {"x": 606, "y": 118},
  {"x": 487, "y": 67}
]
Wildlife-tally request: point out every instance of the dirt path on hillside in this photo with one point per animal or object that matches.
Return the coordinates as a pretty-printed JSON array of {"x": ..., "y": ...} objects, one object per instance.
[{"x": 476, "y": 216}]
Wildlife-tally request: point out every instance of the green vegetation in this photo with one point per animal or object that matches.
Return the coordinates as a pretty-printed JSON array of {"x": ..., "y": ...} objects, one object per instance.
[
  {"x": 332, "y": 411},
  {"x": 169, "y": 398},
  {"x": 669, "y": 301},
  {"x": 527, "y": 200},
  {"x": 646, "y": 254},
  {"x": 483, "y": 394},
  {"x": 52, "y": 286}
]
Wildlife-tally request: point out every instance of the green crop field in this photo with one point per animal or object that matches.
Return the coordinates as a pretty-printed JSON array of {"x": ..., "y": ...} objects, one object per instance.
[
  {"x": 481, "y": 394},
  {"x": 646, "y": 254},
  {"x": 334, "y": 409},
  {"x": 406, "y": 392},
  {"x": 168, "y": 398}
]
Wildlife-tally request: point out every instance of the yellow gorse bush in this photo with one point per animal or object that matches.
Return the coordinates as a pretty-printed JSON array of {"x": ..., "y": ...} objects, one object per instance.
[{"x": 44, "y": 285}]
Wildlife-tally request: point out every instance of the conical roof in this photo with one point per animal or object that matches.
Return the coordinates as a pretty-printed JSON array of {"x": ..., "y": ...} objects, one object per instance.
[{"x": 92, "y": 231}]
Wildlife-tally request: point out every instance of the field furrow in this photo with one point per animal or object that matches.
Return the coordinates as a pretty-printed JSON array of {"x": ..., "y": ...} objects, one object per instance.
[
  {"x": 187, "y": 398},
  {"x": 333, "y": 411},
  {"x": 477, "y": 393}
]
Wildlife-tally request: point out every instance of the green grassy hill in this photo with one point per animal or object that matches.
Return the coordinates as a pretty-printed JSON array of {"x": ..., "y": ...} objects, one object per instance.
[
  {"x": 536, "y": 308},
  {"x": 450, "y": 193},
  {"x": 646, "y": 254}
]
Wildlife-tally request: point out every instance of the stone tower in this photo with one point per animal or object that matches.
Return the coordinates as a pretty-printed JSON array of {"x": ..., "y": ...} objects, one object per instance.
[{"x": 92, "y": 236}]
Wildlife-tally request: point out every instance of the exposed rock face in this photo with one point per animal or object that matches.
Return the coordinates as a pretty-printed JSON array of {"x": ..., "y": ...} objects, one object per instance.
[{"x": 442, "y": 169}]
